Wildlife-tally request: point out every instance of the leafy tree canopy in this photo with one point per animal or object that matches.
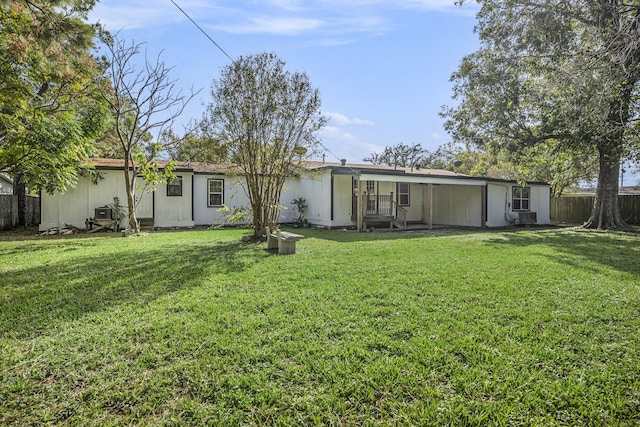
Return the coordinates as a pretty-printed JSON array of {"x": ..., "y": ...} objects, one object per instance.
[
  {"x": 50, "y": 110},
  {"x": 554, "y": 79},
  {"x": 196, "y": 147}
]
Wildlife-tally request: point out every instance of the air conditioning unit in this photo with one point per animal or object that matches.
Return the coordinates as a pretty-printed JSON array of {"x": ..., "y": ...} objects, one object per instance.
[
  {"x": 527, "y": 218},
  {"x": 103, "y": 213}
]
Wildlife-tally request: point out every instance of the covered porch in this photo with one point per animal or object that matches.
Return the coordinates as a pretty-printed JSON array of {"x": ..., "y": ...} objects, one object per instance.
[{"x": 417, "y": 202}]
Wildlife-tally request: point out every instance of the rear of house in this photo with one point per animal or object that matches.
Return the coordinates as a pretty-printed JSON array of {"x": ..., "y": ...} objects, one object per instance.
[
  {"x": 337, "y": 195},
  {"x": 192, "y": 198},
  {"x": 343, "y": 195}
]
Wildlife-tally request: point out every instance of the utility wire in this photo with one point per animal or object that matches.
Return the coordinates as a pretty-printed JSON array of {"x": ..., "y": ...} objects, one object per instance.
[
  {"x": 231, "y": 59},
  {"x": 203, "y": 31}
]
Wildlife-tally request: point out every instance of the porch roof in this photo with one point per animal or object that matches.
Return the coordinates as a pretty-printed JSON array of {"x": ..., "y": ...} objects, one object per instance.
[
  {"x": 359, "y": 169},
  {"x": 401, "y": 174},
  {"x": 424, "y": 179}
]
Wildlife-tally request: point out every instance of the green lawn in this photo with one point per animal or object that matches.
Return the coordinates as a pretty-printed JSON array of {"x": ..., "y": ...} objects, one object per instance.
[{"x": 534, "y": 327}]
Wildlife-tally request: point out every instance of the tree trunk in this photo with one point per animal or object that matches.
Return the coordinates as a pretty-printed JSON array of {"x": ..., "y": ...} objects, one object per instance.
[
  {"x": 20, "y": 190},
  {"x": 131, "y": 202},
  {"x": 130, "y": 185},
  {"x": 605, "y": 214}
]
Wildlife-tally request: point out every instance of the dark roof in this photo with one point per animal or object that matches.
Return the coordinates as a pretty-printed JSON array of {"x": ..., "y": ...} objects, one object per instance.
[
  {"x": 335, "y": 168},
  {"x": 195, "y": 167}
]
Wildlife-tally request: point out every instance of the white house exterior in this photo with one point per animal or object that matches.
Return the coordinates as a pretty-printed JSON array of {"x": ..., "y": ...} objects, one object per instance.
[
  {"x": 337, "y": 196},
  {"x": 6, "y": 184},
  {"x": 419, "y": 196}
]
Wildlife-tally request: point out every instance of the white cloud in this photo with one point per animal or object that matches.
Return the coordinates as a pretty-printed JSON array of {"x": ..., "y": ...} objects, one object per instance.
[
  {"x": 345, "y": 145},
  {"x": 339, "y": 119},
  {"x": 335, "y": 133},
  {"x": 335, "y": 42},
  {"x": 273, "y": 25},
  {"x": 290, "y": 5},
  {"x": 280, "y": 17},
  {"x": 436, "y": 135}
]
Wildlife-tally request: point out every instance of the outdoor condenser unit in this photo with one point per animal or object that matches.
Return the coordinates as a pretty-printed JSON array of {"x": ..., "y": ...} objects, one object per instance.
[
  {"x": 103, "y": 213},
  {"x": 527, "y": 218}
]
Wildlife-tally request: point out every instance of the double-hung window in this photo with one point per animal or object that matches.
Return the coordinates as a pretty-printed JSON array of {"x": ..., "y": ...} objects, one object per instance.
[
  {"x": 174, "y": 186},
  {"x": 403, "y": 194},
  {"x": 215, "y": 192},
  {"x": 521, "y": 198}
]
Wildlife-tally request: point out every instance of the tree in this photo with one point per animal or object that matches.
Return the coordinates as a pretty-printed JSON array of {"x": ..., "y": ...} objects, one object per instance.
[
  {"x": 143, "y": 101},
  {"x": 50, "y": 108},
  {"x": 536, "y": 163},
  {"x": 197, "y": 148},
  {"x": 398, "y": 155},
  {"x": 561, "y": 76},
  {"x": 267, "y": 117}
]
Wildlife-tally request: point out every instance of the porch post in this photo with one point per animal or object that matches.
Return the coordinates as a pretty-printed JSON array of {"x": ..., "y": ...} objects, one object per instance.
[
  {"x": 430, "y": 197},
  {"x": 394, "y": 213},
  {"x": 359, "y": 206},
  {"x": 483, "y": 209}
]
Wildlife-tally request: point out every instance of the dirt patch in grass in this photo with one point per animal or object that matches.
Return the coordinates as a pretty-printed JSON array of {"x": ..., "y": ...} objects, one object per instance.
[{"x": 19, "y": 232}]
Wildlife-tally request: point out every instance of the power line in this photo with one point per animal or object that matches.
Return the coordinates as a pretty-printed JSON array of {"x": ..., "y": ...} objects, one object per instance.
[
  {"x": 203, "y": 31},
  {"x": 231, "y": 59}
]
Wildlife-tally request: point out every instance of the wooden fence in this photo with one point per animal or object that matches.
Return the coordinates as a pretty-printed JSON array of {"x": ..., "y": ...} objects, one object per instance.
[
  {"x": 577, "y": 209},
  {"x": 9, "y": 211}
]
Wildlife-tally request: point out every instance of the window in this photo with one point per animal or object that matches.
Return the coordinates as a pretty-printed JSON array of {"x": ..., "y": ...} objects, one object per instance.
[
  {"x": 174, "y": 186},
  {"x": 371, "y": 197},
  {"x": 521, "y": 198},
  {"x": 216, "y": 192},
  {"x": 403, "y": 193},
  {"x": 371, "y": 187}
]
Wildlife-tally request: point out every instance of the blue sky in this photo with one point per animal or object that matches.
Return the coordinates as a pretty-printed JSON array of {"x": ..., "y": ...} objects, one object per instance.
[{"x": 382, "y": 66}]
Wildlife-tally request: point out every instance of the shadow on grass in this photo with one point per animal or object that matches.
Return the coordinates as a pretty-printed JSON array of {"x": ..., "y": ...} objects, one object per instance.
[
  {"x": 620, "y": 251},
  {"x": 36, "y": 298},
  {"x": 344, "y": 236}
]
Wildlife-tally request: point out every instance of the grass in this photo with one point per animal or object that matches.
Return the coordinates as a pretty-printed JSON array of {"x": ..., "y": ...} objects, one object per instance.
[{"x": 534, "y": 327}]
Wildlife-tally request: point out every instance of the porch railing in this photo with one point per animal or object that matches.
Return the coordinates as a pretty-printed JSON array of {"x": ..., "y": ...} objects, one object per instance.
[{"x": 379, "y": 205}]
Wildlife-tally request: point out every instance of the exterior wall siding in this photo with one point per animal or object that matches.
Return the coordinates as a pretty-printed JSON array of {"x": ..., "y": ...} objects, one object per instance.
[
  {"x": 174, "y": 211},
  {"x": 316, "y": 189},
  {"x": 343, "y": 201},
  {"x": 457, "y": 205},
  {"x": 234, "y": 197},
  {"x": 328, "y": 199},
  {"x": 80, "y": 202},
  {"x": 500, "y": 211}
]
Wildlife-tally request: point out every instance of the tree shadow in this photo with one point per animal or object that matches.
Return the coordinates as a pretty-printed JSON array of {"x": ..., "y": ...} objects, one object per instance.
[
  {"x": 582, "y": 248},
  {"x": 345, "y": 236},
  {"x": 35, "y": 299}
]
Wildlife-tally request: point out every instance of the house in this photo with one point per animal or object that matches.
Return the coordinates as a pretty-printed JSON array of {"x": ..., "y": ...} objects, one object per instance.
[
  {"x": 338, "y": 195},
  {"x": 6, "y": 184},
  {"x": 416, "y": 196}
]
